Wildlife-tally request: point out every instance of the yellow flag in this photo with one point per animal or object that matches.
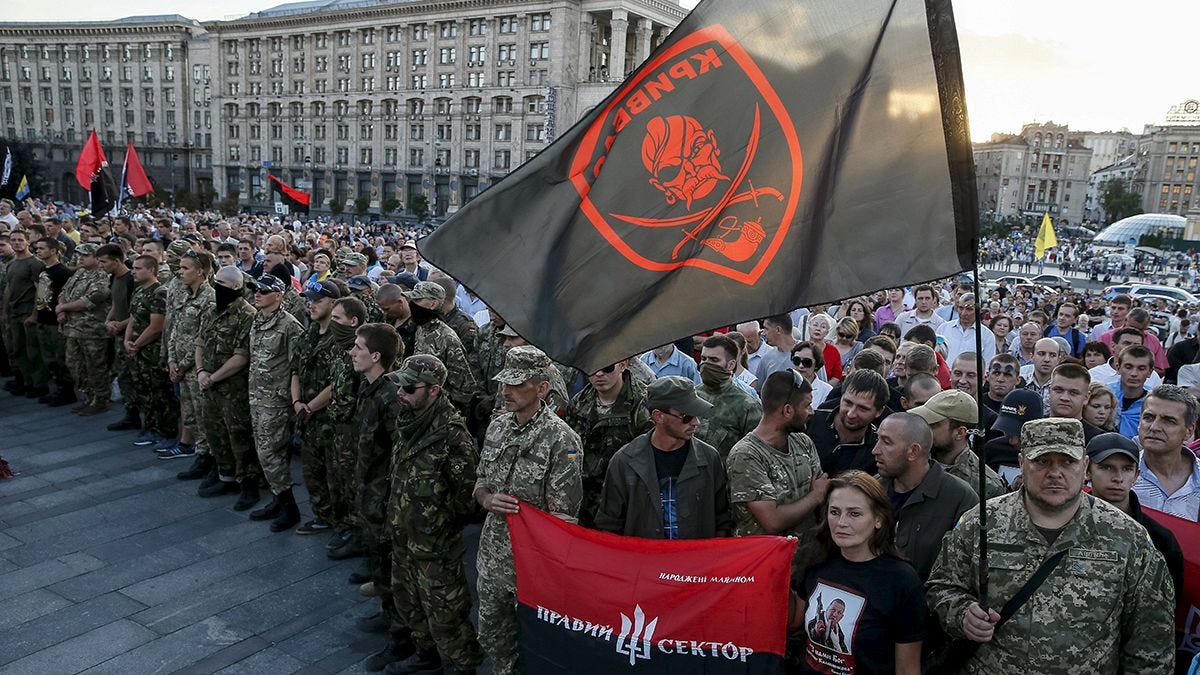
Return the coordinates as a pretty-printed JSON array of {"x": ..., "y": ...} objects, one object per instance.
[{"x": 1045, "y": 238}]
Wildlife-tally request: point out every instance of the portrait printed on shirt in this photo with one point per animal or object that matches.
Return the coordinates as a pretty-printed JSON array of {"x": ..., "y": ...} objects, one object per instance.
[{"x": 830, "y": 620}]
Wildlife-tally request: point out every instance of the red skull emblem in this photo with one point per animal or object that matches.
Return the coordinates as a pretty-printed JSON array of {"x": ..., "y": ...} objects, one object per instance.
[{"x": 683, "y": 157}]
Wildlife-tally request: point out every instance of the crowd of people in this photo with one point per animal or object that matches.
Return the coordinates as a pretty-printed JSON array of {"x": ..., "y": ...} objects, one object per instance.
[{"x": 415, "y": 410}]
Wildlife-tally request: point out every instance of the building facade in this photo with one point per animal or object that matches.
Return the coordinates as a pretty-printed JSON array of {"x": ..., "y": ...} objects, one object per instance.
[
  {"x": 1108, "y": 147},
  {"x": 400, "y": 107},
  {"x": 1168, "y": 179},
  {"x": 141, "y": 80},
  {"x": 1043, "y": 169},
  {"x": 1124, "y": 170}
]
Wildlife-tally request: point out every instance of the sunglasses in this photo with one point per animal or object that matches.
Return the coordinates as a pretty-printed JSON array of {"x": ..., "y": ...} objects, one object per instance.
[
  {"x": 1008, "y": 370},
  {"x": 412, "y": 388},
  {"x": 802, "y": 362},
  {"x": 607, "y": 370},
  {"x": 686, "y": 419}
]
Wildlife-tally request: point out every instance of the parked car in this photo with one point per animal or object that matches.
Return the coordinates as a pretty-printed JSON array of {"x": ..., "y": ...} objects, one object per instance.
[
  {"x": 1111, "y": 291},
  {"x": 1056, "y": 281},
  {"x": 1177, "y": 294}
]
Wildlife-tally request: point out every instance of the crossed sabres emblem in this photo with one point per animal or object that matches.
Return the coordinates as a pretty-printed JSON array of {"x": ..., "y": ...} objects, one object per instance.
[{"x": 683, "y": 160}]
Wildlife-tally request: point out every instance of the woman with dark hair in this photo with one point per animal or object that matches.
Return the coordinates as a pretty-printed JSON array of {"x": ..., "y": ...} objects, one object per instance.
[
  {"x": 863, "y": 608},
  {"x": 859, "y": 310},
  {"x": 1096, "y": 353},
  {"x": 808, "y": 359},
  {"x": 1001, "y": 326}
]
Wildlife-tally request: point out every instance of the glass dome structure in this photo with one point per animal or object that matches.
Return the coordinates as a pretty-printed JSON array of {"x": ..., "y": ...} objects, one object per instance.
[{"x": 1132, "y": 228}]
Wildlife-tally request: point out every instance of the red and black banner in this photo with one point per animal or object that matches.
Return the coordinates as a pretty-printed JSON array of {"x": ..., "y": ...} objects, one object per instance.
[
  {"x": 1187, "y": 607},
  {"x": 590, "y": 602},
  {"x": 770, "y": 154},
  {"x": 91, "y": 176},
  {"x": 297, "y": 200}
]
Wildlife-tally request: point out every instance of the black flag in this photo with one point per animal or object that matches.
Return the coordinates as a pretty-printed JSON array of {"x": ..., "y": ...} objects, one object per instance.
[
  {"x": 770, "y": 154},
  {"x": 297, "y": 200},
  {"x": 103, "y": 193}
]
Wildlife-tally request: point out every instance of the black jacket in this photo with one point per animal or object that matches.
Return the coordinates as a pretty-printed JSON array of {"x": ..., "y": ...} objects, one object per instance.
[{"x": 837, "y": 457}]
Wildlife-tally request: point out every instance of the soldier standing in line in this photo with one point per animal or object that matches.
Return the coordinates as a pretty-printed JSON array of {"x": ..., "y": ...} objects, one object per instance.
[
  {"x": 81, "y": 309},
  {"x": 734, "y": 413},
  {"x": 188, "y": 296},
  {"x": 341, "y": 454},
  {"x": 433, "y": 475},
  {"x": 607, "y": 414},
  {"x": 311, "y": 390},
  {"x": 1112, "y": 588},
  {"x": 435, "y": 338},
  {"x": 529, "y": 437},
  {"x": 121, "y": 287},
  {"x": 274, "y": 341},
  {"x": 222, "y": 354},
  {"x": 453, "y": 316},
  {"x": 151, "y": 390}
]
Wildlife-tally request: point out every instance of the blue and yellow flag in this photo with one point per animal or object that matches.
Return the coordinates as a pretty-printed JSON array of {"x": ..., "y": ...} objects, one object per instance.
[
  {"x": 1045, "y": 238},
  {"x": 23, "y": 188}
]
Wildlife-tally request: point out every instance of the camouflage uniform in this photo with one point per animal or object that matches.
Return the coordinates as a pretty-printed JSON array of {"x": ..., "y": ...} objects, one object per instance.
[
  {"x": 538, "y": 463},
  {"x": 87, "y": 341},
  {"x": 465, "y": 328},
  {"x": 760, "y": 473},
  {"x": 293, "y": 303},
  {"x": 489, "y": 354},
  {"x": 1108, "y": 607},
  {"x": 226, "y": 404},
  {"x": 165, "y": 274},
  {"x": 273, "y": 345},
  {"x": 318, "y": 365},
  {"x": 341, "y": 456},
  {"x": 374, "y": 311},
  {"x": 734, "y": 414},
  {"x": 433, "y": 472},
  {"x": 151, "y": 389},
  {"x": 436, "y": 339},
  {"x": 184, "y": 309},
  {"x": 966, "y": 467},
  {"x": 603, "y": 431}
]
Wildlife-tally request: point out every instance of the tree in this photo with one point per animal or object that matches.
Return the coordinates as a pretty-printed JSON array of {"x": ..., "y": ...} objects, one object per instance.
[
  {"x": 389, "y": 205},
  {"x": 25, "y": 165},
  {"x": 1118, "y": 201},
  {"x": 335, "y": 206},
  {"x": 362, "y": 205},
  {"x": 229, "y": 205},
  {"x": 420, "y": 207}
]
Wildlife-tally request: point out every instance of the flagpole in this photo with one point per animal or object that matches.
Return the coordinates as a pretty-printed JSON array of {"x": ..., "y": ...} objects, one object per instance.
[
  {"x": 980, "y": 433},
  {"x": 121, "y": 186}
]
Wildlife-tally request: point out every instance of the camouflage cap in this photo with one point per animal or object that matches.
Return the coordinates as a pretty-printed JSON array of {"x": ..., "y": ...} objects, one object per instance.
[
  {"x": 507, "y": 331},
  {"x": 1052, "y": 434},
  {"x": 178, "y": 248},
  {"x": 343, "y": 251},
  {"x": 86, "y": 249},
  {"x": 357, "y": 259},
  {"x": 268, "y": 283},
  {"x": 522, "y": 363},
  {"x": 427, "y": 289},
  {"x": 419, "y": 369}
]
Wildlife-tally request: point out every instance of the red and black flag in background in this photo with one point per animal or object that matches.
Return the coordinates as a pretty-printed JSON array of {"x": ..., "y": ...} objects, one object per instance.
[
  {"x": 296, "y": 200},
  {"x": 590, "y": 602},
  {"x": 769, "y": 154},
  {"x": 91, "y": 175}
]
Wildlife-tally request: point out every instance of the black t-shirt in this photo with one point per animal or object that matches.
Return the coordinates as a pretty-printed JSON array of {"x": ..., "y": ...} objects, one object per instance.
[
  {"x": 899, "y": 499},
  {"x": 1128, "y": 401},
  {"x": 50, "y": 285},
  {"x": 857, "y": 612},
  {"x": 668, "y": 465}
]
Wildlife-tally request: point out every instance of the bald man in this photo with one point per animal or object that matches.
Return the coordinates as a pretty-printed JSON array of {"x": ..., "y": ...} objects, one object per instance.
[
  {"x": 1047, "y": 354},
  {"x": 755, "y": 345}
]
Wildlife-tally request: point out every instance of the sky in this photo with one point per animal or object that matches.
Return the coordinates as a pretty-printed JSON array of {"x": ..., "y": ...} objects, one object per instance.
[{"x": 1096, "y": 66}]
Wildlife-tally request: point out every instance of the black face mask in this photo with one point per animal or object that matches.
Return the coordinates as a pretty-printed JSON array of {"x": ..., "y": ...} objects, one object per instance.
[
  {"x": 343, "y": 335},
  {"x": 422, "y": 315},
  {"x": 225, "y": 296}
]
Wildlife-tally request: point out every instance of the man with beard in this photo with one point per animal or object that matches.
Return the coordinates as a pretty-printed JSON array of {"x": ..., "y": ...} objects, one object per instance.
[
  {"x": 435, "y": 338},
  {"x": 81, "y": 309},
  {"x": 776, "y": 485},
  {"x": 844, "y": 436},
  {"x": 222, "y": 354},
  {"x": 1114, "y": 582},
  {"x": 274, "y": 341},
  {"x": 734, "y": 413},
  {"x": 951, "y": 416},
  {"x": 607, "y": 414},
  {"x": 433, "y": 474}
]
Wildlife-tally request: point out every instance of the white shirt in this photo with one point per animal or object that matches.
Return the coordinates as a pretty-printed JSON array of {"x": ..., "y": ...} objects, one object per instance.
[
  {"x": 1184, "y": 503},
  {"x": 1104, "y": 374},
  {"x": 909, "y": 320},
  {"x": 820, "y": 392},
  {"x": 959, "y": 340}
]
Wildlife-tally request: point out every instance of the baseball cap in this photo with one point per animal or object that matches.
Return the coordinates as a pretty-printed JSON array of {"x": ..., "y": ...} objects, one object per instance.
[
  {"x": 268, "y": 283},
  {"x": 356, "y": 259},
  {"x": 507, "y": 331},
  {"x": 1052, "y": 434},
  {"x": 359, "y": 282},
  {"x": 427, "y": 289},
  {"x": 86, "y": 249},
  {"x": 322, "y": 289},
  {"x": 406, "y": 280},
  {"x": 1106, "y": 445},
  {"x": 676, "y": 392},
  {"x": 420, "y": 369},
  {"x": 1019, "y": 407},
  {"x": 179, "y": 247},
  {"x": 948, "y": 405},
  {"x": 522, "y": 363},
  {"x": 409, "y": 244}
]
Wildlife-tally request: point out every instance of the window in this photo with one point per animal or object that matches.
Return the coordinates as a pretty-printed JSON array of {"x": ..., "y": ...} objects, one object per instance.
[
  {"x": 506, "y": 78},
  {"x": 420, "y": 57},
  {"x": 364, "y": 156},
  {"x": 539, "y": 23},
  {"x": 419, "y": 81},
  {"x": 508, "y": 25},
  {"x": 535, "y": 104},
  {"x": 343, "y": 132},
  {"x": 416, "y": 106},
  {"x": 319, "y": 155},
  {"x": 502, "y": 104},
  {"x": 539, "y": 51},
  {"x": 446, "y": 80},
  {"x": 366, "y": 132},
  {"x": 416, "y": 132},
  {"x": 471, "y": 159},
  {"x": 416, "y": 157},
  {"x": 343, "y": 155},
  {"x": 506, "y": 53},
  {"x": 391, "y": 132},
  {"x": 319, "y": 133},
  {"x": 321, "y": 40},
  {"x": 476, "y": 55},
  {"x": 394, "y": 33},
  {"x": 443, "y": 106},
  {"x": 539, "y": 77},
  {"x": 503, "y": 159},
  {"x": 471, "y": 132},
  {"x": 472, "y": 105},
  {"x": 448, "y": 29},
  {"x": 442, "y": 158},
  {"x": 343, "y": 38},
  {"x": 503, "y": 132},
  {"x": 420, "y": 31},
  {"x": 447, "y": 55},
  {"x": 368, "y": 60},
  {"x": 368, "y": 36},
  {"x": 445, "y": 132},
  {"x": 477, "y": 27},
  {"x": 535, "y": 132},
  {"x": 389, "y": 156},
  {"x": 475, "y": 79}
]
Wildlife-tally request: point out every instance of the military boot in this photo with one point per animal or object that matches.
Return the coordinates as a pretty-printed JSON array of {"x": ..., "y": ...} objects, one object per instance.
[
  {"x": 17, "y": 386},
  {"x": 132, "y": 420},
  {"x": 249, "y": 495},
  {"x": 272, "y": 509},
  {"x": 352, "y": 547},
  {"x": 399, "y": 647},
  {"x": 423, "y": 661},
  {"x": 289, "y": 515},
  {"x": 201, "y": 467}
]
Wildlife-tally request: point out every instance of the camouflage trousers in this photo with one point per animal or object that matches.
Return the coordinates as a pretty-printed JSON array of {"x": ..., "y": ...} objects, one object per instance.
[
  {"x": 434, "y": 602},
  {"x": 329, "y": 490},
  {"x": 272, "y": 443},
  {"x": 152, "y": 393},
  {"x": 190, "y": 404},
  {"x": 87, "y": 359},
  {"x": 120, "y": 369},
  {"x": 23, "y": 352},
  {"x": 52, "y": 348},
  {"x": 498, "y": 621},
  {"x": 226, "y": 421}
]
